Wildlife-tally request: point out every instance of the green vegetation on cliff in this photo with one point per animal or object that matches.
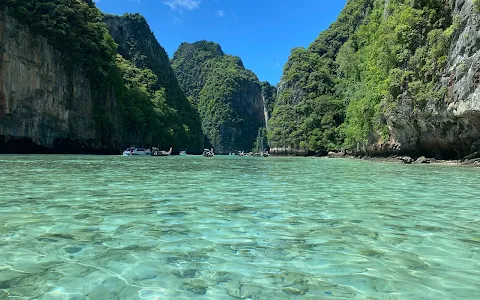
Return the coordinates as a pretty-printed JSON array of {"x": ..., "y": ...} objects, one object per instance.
[
  {"x": 228, "y": 97},
  {"x": 138, "y": 44},
  {"x": 477, "y": 5},
  {"x": 338, "y": 91},
  {"x": 147, "y": 115},
  {"x": 400, "y": 52},
  {"x": 310, "y": 110},
  {"x": 74, "y": 27},
  {"x": 147, "y": 106}
]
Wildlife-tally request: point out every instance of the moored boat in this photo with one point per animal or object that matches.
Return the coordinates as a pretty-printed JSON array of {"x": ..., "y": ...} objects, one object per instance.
[
  {"x": 136, "y": 151},
  {"x": 183, "y": 153},
  {"x": 141, "y": 151},
  {"x": 158, "y": 152},
  {"x": 128, "y": 151},
  {"x": 208, "y": 153}
]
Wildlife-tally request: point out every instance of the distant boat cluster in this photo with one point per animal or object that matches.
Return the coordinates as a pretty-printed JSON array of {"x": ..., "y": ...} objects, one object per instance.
[
  {"x": 132, "y": 151},
  {"x": 142, "y": 151},
  {"x": 260, "y": 154}
]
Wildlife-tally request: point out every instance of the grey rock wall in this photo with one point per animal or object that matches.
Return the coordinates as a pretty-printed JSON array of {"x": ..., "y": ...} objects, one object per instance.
[
  {"x": 450, "y": 127},
  {"x": 46, "y": 106}
]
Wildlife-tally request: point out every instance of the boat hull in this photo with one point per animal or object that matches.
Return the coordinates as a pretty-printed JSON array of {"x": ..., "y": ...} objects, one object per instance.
[{"x": 136, "y": 152}]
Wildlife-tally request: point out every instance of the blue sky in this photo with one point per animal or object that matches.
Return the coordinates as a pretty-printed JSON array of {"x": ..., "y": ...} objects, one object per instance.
[{"x": 260, "y": 32}]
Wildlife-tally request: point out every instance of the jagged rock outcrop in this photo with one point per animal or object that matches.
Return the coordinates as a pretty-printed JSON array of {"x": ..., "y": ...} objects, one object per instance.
[
  {"x": 228, "y": 97},
  {"x": 44, "y": 107},
  {"x": 450, "y": 127}
]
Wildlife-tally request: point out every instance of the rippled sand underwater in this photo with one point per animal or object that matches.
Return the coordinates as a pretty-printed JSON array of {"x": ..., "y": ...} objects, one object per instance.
[{"x": 104, "y": 227}]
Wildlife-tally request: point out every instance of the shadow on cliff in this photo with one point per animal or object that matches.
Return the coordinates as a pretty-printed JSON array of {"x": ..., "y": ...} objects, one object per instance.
[{"x": 60, "y": 146}]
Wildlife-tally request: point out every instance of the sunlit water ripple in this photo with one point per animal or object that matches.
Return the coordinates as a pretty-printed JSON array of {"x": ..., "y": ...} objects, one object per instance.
[{"x": 93, "y": 227}]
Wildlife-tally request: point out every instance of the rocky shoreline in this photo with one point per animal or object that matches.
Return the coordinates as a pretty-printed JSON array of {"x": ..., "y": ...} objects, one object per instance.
[{"x": 475, "y": 162}]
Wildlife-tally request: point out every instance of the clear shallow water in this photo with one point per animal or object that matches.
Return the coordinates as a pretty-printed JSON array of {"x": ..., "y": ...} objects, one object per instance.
[{"x": 93, "y": 227}]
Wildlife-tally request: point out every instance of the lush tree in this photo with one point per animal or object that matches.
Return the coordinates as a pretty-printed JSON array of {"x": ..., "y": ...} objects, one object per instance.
[
  {"x": 148, "y": 106},
  {"x": 225, "y": 93},
  {"x": 338, "y": 91},
  {"x": 400, "y": 51},
  {"x": 138, "y": 44},
  {"x": 75, "y": 27}
]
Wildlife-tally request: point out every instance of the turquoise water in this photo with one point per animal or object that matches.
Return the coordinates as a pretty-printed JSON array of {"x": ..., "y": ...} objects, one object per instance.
[{"x": 88, "y": 227}]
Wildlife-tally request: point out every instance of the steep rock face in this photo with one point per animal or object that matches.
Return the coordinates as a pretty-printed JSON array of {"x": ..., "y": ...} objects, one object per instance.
[
  {"x": 43, "y": 107},
  {"x": 269, "y": 96},
  {"x": 228, "y": 97},
  {"x": 463, "y": 70},
  {"x": 138, "y": 44},
  {"x": 450, "y": 127},
  {"x": 309, "y": 108},
  {"x": 388, "y": 77}
]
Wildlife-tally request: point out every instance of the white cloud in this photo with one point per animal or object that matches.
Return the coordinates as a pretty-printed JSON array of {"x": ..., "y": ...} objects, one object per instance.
[
  {"x": 221, "y": 13},
  {"x": 182, "y": 4}
]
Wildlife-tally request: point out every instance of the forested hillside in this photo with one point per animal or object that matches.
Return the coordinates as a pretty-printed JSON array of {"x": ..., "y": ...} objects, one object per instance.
[
  {"x": 180, "y": 122},
  {"x": 227, "y": 96},
  {"x": 380, "y": 80},
  {"x": 122, "y": 103},
  {"x": 310, "y": 108},
  {"x": 388, "y": 77}
]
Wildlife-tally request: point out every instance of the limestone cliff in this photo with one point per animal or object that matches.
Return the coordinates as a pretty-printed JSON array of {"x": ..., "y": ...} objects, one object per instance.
[
  {"x": 138, "y": 44},
  {"x": 228, "y": 96},
  {"x": 388, "y": 77},
  {"x": 310, "y": 107},
  {"x": 450, "y": 127},
  {"x": 44, "y": 107}
]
